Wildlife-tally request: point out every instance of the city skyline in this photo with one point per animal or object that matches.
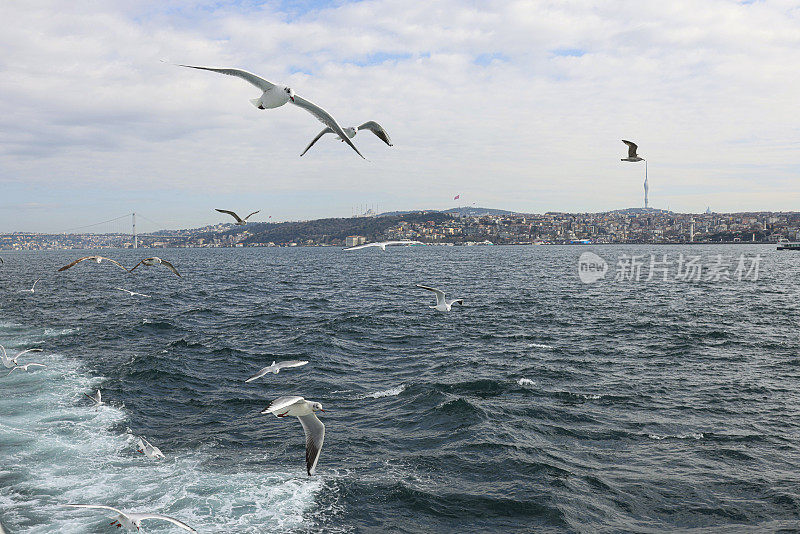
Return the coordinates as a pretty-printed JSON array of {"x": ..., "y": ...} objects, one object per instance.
[{"x": 521, "y": 105}]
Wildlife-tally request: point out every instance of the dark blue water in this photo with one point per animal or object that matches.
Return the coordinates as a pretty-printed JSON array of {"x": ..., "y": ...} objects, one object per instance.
[{"x": 544, "y": 404}]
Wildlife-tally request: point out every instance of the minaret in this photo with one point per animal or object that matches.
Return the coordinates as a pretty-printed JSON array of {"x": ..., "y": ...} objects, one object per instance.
[
  {"x": 691, "y": 232},
  {"x": 645, "y": 184}
]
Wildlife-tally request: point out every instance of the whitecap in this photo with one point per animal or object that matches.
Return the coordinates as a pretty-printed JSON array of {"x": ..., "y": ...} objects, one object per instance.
[
  {"x": 388, "y": 392},
  {"x": 696, "y": 435},
  {"x": 540, "y": 346},
  {"x": 526, "y": 382}
]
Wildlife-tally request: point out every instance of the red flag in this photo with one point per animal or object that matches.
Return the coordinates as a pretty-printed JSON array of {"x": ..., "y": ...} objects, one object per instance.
[{"x": 456, "y": 197}]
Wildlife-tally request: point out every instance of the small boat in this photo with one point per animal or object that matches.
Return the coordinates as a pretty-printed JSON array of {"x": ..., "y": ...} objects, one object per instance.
[{"x": 788, "y": 246}]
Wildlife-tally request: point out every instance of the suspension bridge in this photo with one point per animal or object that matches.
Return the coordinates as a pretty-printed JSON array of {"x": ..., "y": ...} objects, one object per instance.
[{"x": 123, "y": 226}]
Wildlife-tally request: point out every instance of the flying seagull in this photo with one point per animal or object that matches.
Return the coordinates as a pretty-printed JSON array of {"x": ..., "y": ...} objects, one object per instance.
[
  {"x": 632, "y": 155},
  {"x": 441, "y": 303},
  {"x": 276, "y": 368},
  {"x": 97, "y": 398},
  {"x": 25, "y": 367},
  {"x": 32, "y": 287},
  {"x": 98, "y": 259},
  {"x": 149, "y": 262},
  {"x": 133, "y": 521},
  {"x": 313, "y": 427},
  {"x": 132, "y": 293},
  {"x": 239, "y": 220},
  {"x": 384, "y": 244},
  {"x": 11, "y": 362},
  {"x": 149, "y": 450},
  {"x": 351, "y": 132},
  {"x": 274, "y": 96}
]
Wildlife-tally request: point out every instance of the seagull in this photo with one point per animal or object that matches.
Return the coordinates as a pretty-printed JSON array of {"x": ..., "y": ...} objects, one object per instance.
[
  {"x": 11, "y": 362},
  {"x": 25, "y": 367},
  {"x": 313, "y": 427},
  {"x": 275, "y": 368},
  {"x": 274, "y": 96},
  {"x": 133, "y": 521},
  {"x": 97, "y": 398},
  {"x": 132, "y": 293},
  {"x": 351, "y": 132},
  {"x": 384, "y": 244},
  {"x": 239, "y": 220},
  {"x": 149, "y": 450},
  {"x": 98, "y": 259},
  {"x": 632, "y": 156},
  {"x": 149, "y": 262},
  {"x": 441, "y": 304},
  {"x": 32, "y": 287}
]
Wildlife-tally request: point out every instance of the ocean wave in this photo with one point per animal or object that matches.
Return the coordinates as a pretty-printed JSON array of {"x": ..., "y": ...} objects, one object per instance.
[
  {"x": 540, "y": 346},
  {"x": 526, "y": 382}
]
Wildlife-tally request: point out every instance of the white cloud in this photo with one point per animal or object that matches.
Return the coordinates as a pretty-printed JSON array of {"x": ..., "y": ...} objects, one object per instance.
[{"x": 522, "y": 104}]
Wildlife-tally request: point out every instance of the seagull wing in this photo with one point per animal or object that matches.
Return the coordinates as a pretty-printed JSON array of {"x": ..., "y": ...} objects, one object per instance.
[
  {"x": 25, "y": 352},
  {"x": 290, "y": 363},
  {"x": 34, "y": 284},
  {"x": 76, "y": 262},
  {"x": 141, "y": 517},
  {"x": 315, "y": 435},
  {"x": 135, "y": 266},
  {"x": 378, "y": 130},
  {"x": 631, "y": 148},
  {"x": 323, "y": 132},
  {"x": 454, "y": 301},
  {"x": 366, "y": 245},
  {"x": 238, "y": 219},
  {"x": 100, "y": 506},
  {"x": 171, "y": 267},
  {"x": 118, "y": 264},
  {"x": 259, "y": 374},
  {"x": 439, "y": 293},
  {"x": 325, "y": 118},
  {"x": 282, "y": 402},
  {"x": 249, "y": 77},
  {"x": 251, "y": 214}
]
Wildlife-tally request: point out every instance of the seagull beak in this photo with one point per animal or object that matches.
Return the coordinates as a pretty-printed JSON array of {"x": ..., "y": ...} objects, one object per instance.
[{"x": 291, "y": 98}]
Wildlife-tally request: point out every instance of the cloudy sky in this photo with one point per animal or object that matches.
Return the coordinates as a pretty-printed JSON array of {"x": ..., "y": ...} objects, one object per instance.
[{"x": 518, "y": 105}]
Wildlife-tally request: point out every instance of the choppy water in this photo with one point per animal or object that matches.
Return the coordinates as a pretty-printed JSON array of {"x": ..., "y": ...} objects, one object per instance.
[{"x": 544, "y": 404}]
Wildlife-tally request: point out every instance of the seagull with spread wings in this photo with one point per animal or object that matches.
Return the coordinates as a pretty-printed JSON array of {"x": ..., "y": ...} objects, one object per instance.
[
  {"x": 239, "y": 220},
  {"x": 275, "y": 368},
  {"x": 8, "y": 363},
  {"x": 313, "y": 427},
  {"x": 149, "y": 262},
  {"x": 274, "y": 96},
  {"x": 97, "y": 259},
  {"x": 442, "y": 304},
  {"x": 351, "y": 132},
  {"x": 133, "y": 521}
]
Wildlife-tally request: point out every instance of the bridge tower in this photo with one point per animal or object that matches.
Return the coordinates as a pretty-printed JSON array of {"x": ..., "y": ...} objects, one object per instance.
[{"x": 135, "y": 238}]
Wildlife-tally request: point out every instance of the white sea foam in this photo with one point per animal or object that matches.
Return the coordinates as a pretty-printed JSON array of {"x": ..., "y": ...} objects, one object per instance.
[
  {"x": 387, "y": 393},
  {"x": 526, "y": 382},
  {"x": 57, "y": 449},
  {"x": 696, "y": 435},
  {"x": 539, "y": 346}
]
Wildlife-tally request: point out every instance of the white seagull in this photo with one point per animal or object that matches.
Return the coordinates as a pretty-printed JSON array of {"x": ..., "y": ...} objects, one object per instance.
[
  {"x": 149, "y": 450},
  {"x": 25, "y": 367},
  {"x": 98, "y": 259},
  {"x": 313, "y": 427},
  {"x": 275, "y": 368},
  {"x": 239, "y": 220},
  {"x": 97, "y": 398},
  {"x": 11, "y": 362},
  {"x": 632, "y": 155},
  {"x": 384, "y": 244},
  {"x": 149, "y": 262},
  {"x": 132, "y": 293},
  {"x": 351, "y": 132},
  {"x": 32, "y": 287},
  {"x": 441, "y": 303},
  {"x": 133, "y": 521},
  {"x": 274, "y": 96}
]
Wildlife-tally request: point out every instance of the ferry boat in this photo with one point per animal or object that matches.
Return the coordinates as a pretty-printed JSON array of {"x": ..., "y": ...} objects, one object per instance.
[{"x": 788, "y": 246}]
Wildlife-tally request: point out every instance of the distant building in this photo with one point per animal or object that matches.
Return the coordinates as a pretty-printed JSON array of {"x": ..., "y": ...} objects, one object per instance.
[{"x": 353, "y": 240}]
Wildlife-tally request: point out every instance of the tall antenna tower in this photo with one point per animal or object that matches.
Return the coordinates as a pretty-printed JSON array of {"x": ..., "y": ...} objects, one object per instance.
[{"x": 135, "y": 237}]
